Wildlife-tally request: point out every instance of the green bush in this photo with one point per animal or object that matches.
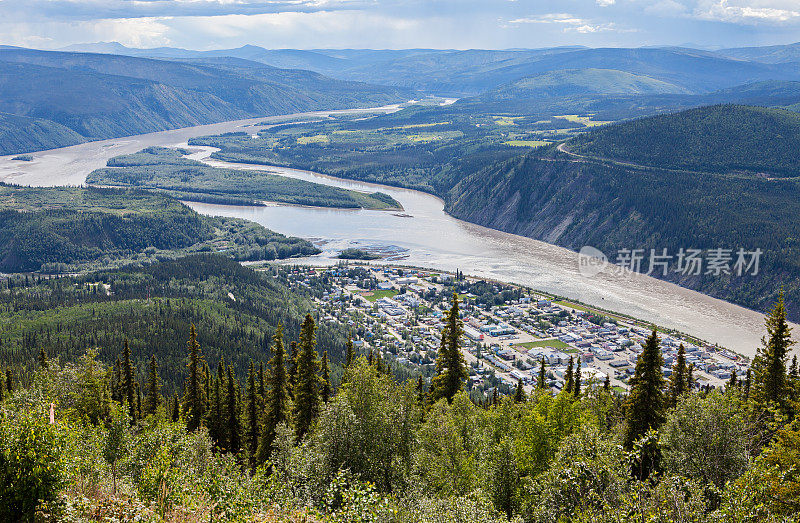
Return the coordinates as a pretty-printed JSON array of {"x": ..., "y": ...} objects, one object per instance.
[{"x": 31, "y": 464}]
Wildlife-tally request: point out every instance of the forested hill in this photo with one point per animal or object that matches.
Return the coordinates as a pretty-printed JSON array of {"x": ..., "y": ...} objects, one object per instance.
[
  {"x": 153, "y": 308},
  {"x": 723, "y": 138},
  {"x": 105, "y": 96},
  {"x": 574, "y": 202},
  {"x": 61, "y": 229}
]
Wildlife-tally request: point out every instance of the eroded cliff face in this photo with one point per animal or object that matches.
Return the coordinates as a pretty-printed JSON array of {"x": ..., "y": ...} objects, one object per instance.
[{"x": 574, "y": 202}]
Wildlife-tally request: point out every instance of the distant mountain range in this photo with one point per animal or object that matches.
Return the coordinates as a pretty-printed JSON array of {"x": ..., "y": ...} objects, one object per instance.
[
  {"x": 470, "y": 72},
  {"x": 52, "y": 99}
]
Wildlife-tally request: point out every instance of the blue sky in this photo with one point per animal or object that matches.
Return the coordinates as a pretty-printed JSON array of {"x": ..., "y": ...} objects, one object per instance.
[{"x": 460, "y": 24}]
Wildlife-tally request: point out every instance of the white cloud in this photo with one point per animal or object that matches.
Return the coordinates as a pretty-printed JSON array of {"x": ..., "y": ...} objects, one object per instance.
[
  {"x": 605, "y": 3},
  {"x": 569, "y": 22},
  {"x": 748, "y": 11}
]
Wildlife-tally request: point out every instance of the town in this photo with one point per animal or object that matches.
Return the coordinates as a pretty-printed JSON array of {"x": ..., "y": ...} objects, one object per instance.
[{"x": 396, "y": 314}]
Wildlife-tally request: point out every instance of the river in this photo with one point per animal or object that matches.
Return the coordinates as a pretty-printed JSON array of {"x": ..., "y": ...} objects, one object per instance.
[{"x": 425, "y": 236}]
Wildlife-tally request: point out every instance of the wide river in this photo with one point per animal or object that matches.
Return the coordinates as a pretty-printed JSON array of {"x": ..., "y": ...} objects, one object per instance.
[{"x": 426, "y": 236}]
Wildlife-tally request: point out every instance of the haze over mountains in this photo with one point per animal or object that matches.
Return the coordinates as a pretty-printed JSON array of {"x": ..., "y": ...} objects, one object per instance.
[{"x": 104, "y": 90}]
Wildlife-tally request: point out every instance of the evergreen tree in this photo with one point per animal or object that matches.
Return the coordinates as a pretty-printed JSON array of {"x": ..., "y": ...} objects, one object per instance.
[
  {"x": 116, "y": 390},
  {"x": 451, "y": 370},
  {"x": 153, "y": 399},
  {"x": 607, "y": 383},
  {"x": 2, "y": 385},
  {"x": 747, "y": 384},
  {"x": 349, "y": 352},
  {"x": 519, "y": 396},
  {"x": 138, "y": 401},
  {"x": 232, "y": 418},
  {"x": 42, "y": 358},
  {"x": 542, "y": 381},
  {"x": 569, "y": 379},
  {"x": 193, "y": 400},
  {"x": 769, "y": 365},
  {"x": 325, "y": 393},
  {"x": 645, "y": 404},
  {"x": 292, "y": 367},
  {"x": 176, "y": 412},
  {"x": 216, "y": 417},
  {"x": 370, "y": 358},
  {"x": 128, "y": 383},
  {"x": 679, "y": 378},
  {"x": 252, "y": 413},
  {"x": 277, "y": 400},
  {"x": 732, "y": 381},
  {"x": 307, "y": 388},
  {"x": 794, "y": 371},
  {"x": 420, "y": 390},
  {"x": 576, "y": 388},
  {"x": 9, "y": 381},
  {"x": 262, "y": 384}
]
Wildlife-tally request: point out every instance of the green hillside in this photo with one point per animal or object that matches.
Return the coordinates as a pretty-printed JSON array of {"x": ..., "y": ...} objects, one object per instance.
[
  {"x": 581, "y": 81},
  {"x": 573, "y": 203},
  {"x": 153, "y": 307},
  {"x": 723, "y": 138},
  {"x": 107, "y": 96},
  {"x": 166, "y": 170},
  {"x": 63, "y": 229}
]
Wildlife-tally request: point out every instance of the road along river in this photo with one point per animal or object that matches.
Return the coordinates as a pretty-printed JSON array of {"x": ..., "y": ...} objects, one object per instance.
[{"x": 426, "y": 236}]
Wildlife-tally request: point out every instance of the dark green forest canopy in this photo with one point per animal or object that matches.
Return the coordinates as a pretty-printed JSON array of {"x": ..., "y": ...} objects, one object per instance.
[
  {"x": 153, "y": 307},
  {"x": 724, "y": 138},
  {"x": 167, "y": 170},
  {"x": 69, "y": 228}
]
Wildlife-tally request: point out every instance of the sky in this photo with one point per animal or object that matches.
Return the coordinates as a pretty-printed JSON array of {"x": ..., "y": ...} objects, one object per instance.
[{"x": 396, "y": 24}]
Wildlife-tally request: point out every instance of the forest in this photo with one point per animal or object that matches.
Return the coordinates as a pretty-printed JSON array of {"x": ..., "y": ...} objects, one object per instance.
[
  {"x": 168, "y": 171},
  {"x": 754, "y": 141},
  {"x": 290, "y": 440},
  {"x": 63, "y": 229}
]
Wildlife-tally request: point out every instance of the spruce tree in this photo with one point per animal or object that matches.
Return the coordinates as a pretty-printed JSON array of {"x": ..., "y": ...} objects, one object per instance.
[
  {"x": 747, "y": 384},
  {"x": 569, "y": 378},
  {"x": 770, "y": 384},
  {"x": 292, "y": 367},
  {"x": 277, "y": 400},
  {"x": 176, "y": 412},
  {"x": 232, "y": 415},
  {"x": 252, "y": 414},
  {"x": 645, "y": 403},
  {"x": 262, "y": 384},
  {"x": 678, "y": 378},
  {"x": 607, "y": 383},
  {"x": 193, "y": 400},
  {"x": 542, "y": 381},
  {"x": 519, "y": 395},
  {"x": 690, "y": 377},
  {"x": 451, "y": 370},
  {"x": 138, "y": 401},
  {"x": 325, "y": 392},
  {"x": 307, "y": 388},
  {"x": 9, "y": 381},
  {"x": 420, "y": 390},
  {"x": 216, "y": 410},
  {"x": 2, "y": 385},
  {"x": 153, "y": 399},
  {"x": 576, "y": 388},
  {"x": 128, "y": 383},
  {"x": 349, "y": 351},
  {"x": 42, "y": 358},
  {"x": 732, "y": 381},
  {"x": 116, "y": 391}
]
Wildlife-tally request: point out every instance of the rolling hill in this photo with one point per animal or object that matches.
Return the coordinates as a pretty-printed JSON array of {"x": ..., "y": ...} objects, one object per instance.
[
  {"x": 613, "y": 205},
  {"x": 572, "y": 82},
  {"x": 738, "y": 139},
  {"x": 101, "y": 96}
]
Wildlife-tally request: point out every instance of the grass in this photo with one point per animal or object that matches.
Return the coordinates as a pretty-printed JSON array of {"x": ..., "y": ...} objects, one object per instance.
[
  {"x": 506, "y": 121},
  {"x": 585, "y": 120},
  {"x": 378, "y": 294},
  {"x": 317, "y": 138},
  {"x": 526, "y": 143}
]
